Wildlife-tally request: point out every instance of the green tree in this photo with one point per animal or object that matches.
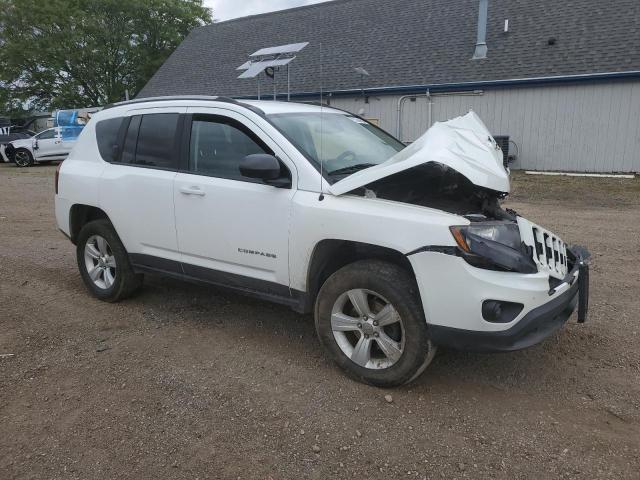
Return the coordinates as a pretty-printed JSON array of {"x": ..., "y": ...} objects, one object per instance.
[{"x": 76, "y": 53}]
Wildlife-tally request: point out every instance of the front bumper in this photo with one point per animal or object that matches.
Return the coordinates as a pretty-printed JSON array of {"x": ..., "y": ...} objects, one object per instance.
[
  {"x": 9, "y": 152},
  {"x": 533, "y": 328},
  {"x": 455, "y": 319}
]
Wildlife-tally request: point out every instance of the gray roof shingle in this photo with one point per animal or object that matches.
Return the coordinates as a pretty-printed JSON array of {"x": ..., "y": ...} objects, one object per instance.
[{"x": 408, "y": 42}]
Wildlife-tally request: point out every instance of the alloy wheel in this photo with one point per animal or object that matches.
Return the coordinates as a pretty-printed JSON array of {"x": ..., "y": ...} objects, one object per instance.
[
  {"x": 100, "y": 262},
  {"x": 22, "y": 158},
  {"x": 368, "y": 329}
]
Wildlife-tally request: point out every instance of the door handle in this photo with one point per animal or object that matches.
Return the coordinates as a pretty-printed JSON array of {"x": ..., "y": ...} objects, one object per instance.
[{"x": 192, "y": 191}]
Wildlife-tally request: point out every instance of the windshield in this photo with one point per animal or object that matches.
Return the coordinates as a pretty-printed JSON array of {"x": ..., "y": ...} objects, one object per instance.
[{"x": 343, "y": 143}]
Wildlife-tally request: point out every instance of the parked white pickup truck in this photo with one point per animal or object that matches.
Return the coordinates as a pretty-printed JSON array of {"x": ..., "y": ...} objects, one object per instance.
[{"x": 396, "y": 250}]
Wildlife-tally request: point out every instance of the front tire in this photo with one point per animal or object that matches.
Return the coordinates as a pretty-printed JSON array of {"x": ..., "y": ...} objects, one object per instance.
[
  {"x": 104, "y": 263},
  {"x": 370, "y": 320},
  {"x": 23, "y": 158}
]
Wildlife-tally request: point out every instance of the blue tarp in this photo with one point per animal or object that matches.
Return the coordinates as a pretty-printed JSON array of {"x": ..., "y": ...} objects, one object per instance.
[{"x": 69, "y": 123}]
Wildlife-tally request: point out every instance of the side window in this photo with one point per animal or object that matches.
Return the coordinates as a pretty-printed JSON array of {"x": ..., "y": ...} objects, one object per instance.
[
  {"x": 150, "y": 141},
  {"x": 156, "y": 141},
  {"x": 219, "y": 144},
  {"x": 46, "y": 135},
  {"x": 107, "y": 136}
]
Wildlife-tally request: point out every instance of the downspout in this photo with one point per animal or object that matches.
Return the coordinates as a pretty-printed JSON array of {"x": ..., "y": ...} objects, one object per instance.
[
  {"x": 481, "y": 42},
  {"x": 430, "y": 114}
]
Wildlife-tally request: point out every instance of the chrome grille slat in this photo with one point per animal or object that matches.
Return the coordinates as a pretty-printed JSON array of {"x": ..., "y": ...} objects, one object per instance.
[{"x": 549, "y": 252}]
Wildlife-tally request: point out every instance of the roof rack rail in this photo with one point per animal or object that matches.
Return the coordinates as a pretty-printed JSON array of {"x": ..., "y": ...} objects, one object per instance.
[{"x": 188, "y": 97}]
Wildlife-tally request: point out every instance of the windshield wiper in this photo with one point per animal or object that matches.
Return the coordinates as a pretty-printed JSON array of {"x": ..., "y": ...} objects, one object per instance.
[{"x": 352, "y": 169}]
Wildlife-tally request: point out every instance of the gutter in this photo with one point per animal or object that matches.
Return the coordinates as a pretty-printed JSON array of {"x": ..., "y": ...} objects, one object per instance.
[{"x": 451, "y": 87}]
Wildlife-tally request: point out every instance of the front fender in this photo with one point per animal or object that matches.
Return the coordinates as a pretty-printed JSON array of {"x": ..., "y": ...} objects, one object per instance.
[{"x": 393, "y": 225}]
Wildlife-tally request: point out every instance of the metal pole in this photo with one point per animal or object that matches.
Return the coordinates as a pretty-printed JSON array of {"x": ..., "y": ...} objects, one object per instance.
[
  {"x": 258, "y": 77},
  {"x": 481, "y": 42},
  {"x": 288, "y": 84},
  {"x": 429, "y": 98}
]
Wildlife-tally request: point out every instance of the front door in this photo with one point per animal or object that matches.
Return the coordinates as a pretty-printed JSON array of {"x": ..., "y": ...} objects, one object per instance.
[
  {"x": 47, "y": 145},
  {"x": 231, "y": 229}
]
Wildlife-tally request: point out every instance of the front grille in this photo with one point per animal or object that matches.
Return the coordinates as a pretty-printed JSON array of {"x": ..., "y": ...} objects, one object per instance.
[{"x": 548, "y": 250}]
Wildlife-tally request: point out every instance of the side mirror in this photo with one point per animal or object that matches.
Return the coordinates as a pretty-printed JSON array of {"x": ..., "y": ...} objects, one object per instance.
[
  {"x": 266, "y": 168},
  {"x": 35, "y": 144}
]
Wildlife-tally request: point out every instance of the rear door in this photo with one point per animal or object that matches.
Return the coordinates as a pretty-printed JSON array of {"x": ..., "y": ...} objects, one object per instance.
[
  {"x": 231, "y": 229},
  {"x": 137, "y": 184}
]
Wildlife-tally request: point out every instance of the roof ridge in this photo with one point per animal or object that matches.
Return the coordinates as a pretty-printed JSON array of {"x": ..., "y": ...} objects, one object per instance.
[{"x": 321, "y": 4}]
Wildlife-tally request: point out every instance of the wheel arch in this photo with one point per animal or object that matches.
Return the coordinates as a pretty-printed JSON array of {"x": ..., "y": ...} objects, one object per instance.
[
  {"x": 330, "y": 255},
  {"x": 80, "y": 215}
]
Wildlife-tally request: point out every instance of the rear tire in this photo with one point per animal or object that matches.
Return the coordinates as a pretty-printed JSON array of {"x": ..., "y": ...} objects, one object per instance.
[
  {"x": 23, "y": 158},
  {"x": 370, "y": 320},
  {"x": 104, "y": 263}
]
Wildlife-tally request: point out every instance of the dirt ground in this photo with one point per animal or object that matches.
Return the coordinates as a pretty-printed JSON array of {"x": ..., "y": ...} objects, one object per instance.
[{"x": 194, "y": 382}]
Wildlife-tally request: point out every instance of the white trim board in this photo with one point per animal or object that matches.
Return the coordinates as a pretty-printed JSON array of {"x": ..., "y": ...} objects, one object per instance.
[{"x": 597, "y": 175}]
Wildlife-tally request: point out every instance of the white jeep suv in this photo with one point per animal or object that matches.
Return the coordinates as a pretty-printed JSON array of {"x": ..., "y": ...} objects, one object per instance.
[{"x": 396, "y": 250}]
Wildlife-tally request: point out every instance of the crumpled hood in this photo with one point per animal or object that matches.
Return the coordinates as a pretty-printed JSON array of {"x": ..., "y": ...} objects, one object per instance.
[
  {"x": 463, "y": 144},
  {"x": 25, "y": 142}
]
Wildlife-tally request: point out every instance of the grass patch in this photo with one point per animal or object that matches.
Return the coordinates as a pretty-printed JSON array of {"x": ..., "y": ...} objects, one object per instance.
[{"x": 578, "y": 191}]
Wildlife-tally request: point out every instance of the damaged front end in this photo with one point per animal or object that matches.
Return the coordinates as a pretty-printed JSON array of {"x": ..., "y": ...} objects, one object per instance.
[
  {"x": 520, "y": 281},
  {"x": 492, "y": 239},
  {"x": 457, "y": 167}
]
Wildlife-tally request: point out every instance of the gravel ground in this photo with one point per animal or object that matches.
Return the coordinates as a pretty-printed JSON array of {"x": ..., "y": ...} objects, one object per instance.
[{"x": 193, "y": 382}]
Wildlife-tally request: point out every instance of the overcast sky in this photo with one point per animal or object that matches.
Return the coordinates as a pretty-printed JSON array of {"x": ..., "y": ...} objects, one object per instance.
[{"x": 227, "y": 9}]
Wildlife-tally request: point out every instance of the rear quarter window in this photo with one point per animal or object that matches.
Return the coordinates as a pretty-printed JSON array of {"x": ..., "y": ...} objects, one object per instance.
[{"x": 107, "y": 137}]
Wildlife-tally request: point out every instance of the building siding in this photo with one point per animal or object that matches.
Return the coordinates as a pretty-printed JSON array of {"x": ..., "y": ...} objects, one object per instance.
[{"x": 575, "y": 127}]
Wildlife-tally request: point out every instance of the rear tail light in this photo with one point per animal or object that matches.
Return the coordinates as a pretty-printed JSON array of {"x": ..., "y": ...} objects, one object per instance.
[{"x": 57, "y": 180}]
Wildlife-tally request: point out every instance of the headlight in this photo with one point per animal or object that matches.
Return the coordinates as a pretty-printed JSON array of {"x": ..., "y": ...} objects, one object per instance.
[
  {"x": 505, "y": 233},
  {"x": 491, "y": 245}
]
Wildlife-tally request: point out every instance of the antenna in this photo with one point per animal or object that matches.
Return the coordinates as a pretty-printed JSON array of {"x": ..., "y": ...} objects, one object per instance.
[
  {"x": 270, "y": 60},
  {"x": 321, "y": 197},
  {"x": 363, "y": 74}
]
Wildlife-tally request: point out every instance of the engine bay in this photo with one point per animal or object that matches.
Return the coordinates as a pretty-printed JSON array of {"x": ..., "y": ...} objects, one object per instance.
[{"x": 438, "y": 186}]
